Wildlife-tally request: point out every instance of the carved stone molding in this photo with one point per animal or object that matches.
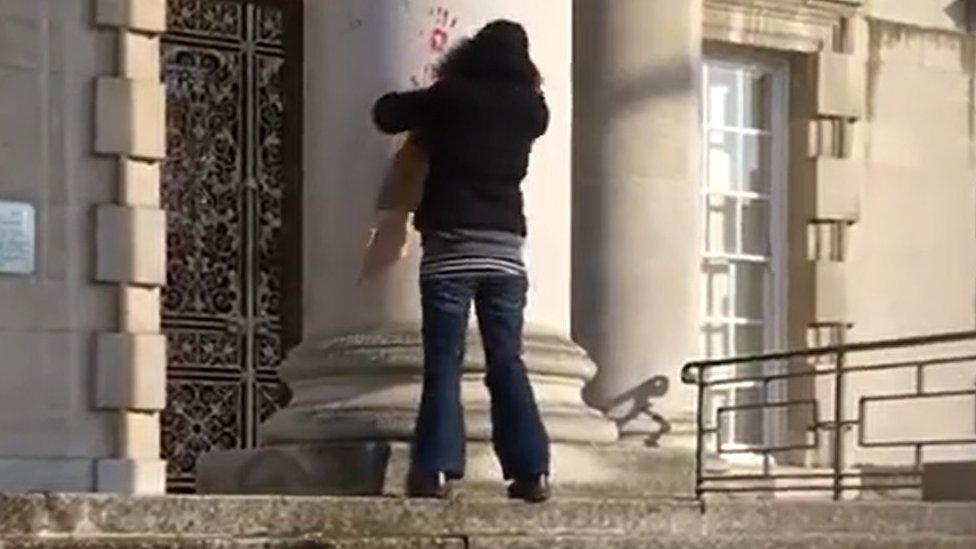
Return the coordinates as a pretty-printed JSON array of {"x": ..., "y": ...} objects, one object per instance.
[{"x": 794, "y": 25}]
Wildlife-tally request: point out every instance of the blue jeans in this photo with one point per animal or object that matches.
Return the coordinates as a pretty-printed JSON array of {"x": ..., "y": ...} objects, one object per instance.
[{"x": 518, "y": 435}]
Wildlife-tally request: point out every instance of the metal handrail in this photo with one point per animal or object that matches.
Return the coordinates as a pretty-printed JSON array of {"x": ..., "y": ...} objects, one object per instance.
[
  {"x": 696, "y": 373},
  {"x": 878, "y": 345}
]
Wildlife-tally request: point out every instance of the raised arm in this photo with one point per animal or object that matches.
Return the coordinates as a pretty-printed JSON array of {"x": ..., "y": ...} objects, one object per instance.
[{"x": 400, "y": 112}]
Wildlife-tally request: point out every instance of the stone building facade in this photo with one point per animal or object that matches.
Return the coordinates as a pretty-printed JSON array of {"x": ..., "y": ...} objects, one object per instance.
[{"x": 186, "y": 186}]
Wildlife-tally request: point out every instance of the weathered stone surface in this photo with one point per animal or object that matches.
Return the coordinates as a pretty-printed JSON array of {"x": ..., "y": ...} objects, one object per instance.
[
  {"x": 293, "y": 517},
  {"x": 221, "y": 543},
  {"x": 371, "y": 468},
  {"x": 750, "y": 542},
  {"x": 561, "y": 542},
  {"x": 876, "y": 517},
  {"x": 41, "y": 521}
]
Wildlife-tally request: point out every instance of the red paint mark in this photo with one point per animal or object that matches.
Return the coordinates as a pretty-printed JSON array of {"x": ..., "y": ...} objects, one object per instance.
[
  {"x": 438, "y": 40},
  {"x": 437, "y": 37},
  {"x": 443, "y": 24}
]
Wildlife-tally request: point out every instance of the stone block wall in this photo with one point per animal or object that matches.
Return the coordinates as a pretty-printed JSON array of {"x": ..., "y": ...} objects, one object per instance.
[
  {"x": 882, "y": 200},
  {"x": 81, "y": 123},
  {"x": 911, "y": 259}
]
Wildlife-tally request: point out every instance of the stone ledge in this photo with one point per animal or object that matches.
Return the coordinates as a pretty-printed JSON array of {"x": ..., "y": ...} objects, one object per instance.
[
  {"x": 377, "y": 468},
  {"x": 890, "y": 518},
  {"x": 298, "y": 517},
  {"x": 818, "y": 541},
  {"x": 502, "y": 542},
  {"x": 331, "y": 522},
  {"x": 140, "y": 542}
]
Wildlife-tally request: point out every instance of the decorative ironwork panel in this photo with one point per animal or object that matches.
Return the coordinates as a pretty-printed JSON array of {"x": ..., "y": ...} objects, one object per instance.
[
  {"x": 202, "y": 350},
  {"x": 202, "y": 181},
  {"x": 270, "y": 397},
  {"x": 268, "y": 350},
  {"x": 270, "y": 25},
  {"x": 201, "y": 416},
  {"x": 223, "y": 189},
  {"x": 268, "y": 157},
  {"x": 209, "y": 18}
]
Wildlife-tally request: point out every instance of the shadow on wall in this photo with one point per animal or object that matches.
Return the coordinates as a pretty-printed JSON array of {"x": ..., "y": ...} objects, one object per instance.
[
  {"x": 962, "y": 13},
  {"x": 636, "y": 402},
  {"x": 653, "y": 82}
]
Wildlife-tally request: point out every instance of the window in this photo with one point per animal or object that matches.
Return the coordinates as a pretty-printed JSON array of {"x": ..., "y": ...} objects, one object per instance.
[{"x": 744, "y": 204}]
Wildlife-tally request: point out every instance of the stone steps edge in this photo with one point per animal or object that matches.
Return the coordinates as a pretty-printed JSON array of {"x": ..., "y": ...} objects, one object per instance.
[
  {"x": 276, "y": 517},
  {"x": 500, "y": 542}
]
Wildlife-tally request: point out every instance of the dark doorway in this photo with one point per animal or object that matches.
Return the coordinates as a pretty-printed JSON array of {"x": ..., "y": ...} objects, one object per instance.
[{"x": 232, "y": 191}]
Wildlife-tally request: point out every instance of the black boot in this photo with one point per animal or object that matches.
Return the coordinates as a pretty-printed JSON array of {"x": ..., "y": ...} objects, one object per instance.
[
  {"x": 428, "y": 486},
  {"x": 531, "y": 489}
]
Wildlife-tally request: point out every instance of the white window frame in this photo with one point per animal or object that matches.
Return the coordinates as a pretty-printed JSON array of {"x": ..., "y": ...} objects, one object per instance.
[{"x": 775, "y": 313}]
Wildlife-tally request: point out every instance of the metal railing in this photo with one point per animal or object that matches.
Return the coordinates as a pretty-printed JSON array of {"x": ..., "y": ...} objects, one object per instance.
[{"x": 715, "y": 376}]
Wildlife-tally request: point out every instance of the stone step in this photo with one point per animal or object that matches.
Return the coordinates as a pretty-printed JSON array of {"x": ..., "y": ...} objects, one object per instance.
[
  {"x": 808, "y": 541},
  {"x": 746, "y": 542},
  {"x": 284, "y": 518},
  {"x": 379, "y": 469}
]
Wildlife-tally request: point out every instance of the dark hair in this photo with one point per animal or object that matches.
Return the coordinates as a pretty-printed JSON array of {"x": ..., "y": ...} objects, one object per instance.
[{"x": 499, "y": 51}]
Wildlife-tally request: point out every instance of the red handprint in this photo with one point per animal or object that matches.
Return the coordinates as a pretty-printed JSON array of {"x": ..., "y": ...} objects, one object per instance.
[
  {"x": 440, "y": 35},
  {"x": 436, "y": 37}
]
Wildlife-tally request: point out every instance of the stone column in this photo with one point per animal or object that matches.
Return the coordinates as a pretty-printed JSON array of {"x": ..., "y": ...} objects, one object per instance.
[
  {"x": 356, "y": 375},
  {"x": 636, "y": 205}
]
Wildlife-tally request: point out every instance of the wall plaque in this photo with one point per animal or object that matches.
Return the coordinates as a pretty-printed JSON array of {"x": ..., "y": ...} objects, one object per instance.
[{"x": 16, "y": 238}]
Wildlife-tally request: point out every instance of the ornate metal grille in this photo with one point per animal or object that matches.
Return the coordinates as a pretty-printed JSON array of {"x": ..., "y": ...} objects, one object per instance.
[{"x": 224, "y": 66}]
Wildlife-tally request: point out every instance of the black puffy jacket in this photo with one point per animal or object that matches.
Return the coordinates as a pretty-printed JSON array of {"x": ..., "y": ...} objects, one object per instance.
[{"x": 478, "y": 135}]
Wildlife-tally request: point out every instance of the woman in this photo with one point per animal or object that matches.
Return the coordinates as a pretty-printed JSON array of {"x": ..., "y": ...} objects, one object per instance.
[{"x": 477, "y": 124}]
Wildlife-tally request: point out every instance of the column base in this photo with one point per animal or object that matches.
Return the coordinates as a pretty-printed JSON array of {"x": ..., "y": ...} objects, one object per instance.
[
  {"x": 379, "y": 469},
  {"x": 366, "y": 387}
]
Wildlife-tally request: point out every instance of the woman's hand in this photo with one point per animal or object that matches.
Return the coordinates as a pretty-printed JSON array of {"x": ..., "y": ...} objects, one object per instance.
[{"x": 387, "y": 244}]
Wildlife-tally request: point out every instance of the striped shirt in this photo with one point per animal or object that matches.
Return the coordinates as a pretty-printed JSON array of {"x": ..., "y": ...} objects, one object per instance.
[{"x": 471, "y": 252}]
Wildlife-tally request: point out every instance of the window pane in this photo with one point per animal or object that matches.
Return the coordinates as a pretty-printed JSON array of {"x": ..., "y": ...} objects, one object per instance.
[
  {"x": 756, "y": 102},
  {"x": 722, "y": 155},
  {"x": 755, "y": 227},
  {"x": 748, "y": 424},
  {"x": 720, "y": 236},
  {"x": 750, "y": 290},
  {"x": 723, "y": 100},
  {"x": 749, "y": 339},
  {"x": 717, "y": 290},
  {"x": 754, "y": 175}
]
